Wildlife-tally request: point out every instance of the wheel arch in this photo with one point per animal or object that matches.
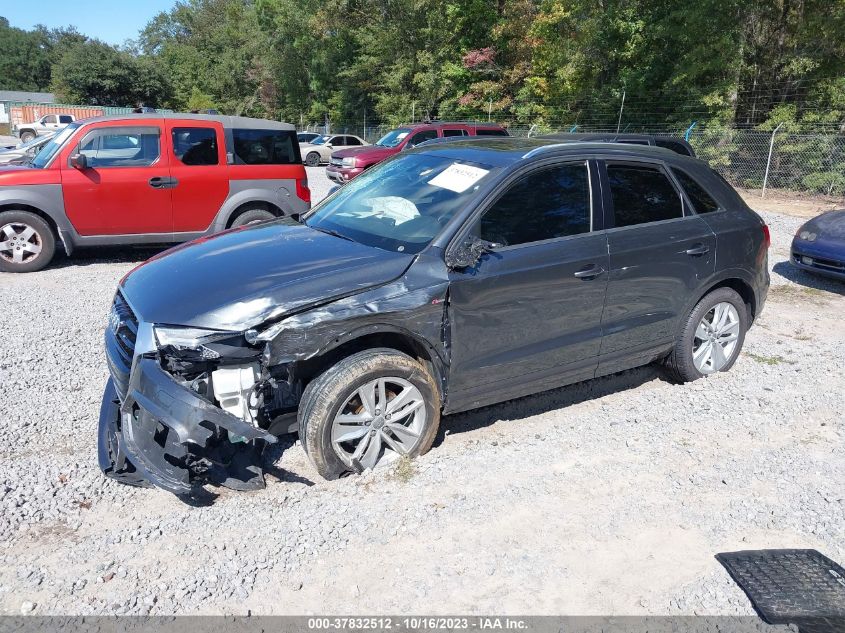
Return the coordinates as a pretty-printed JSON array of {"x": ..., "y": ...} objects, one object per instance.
[
  {"x": 255, "y": 204},
  {"x": 57, "y": 234},
  {"x": 372, "y": 337},
  {"x": 45, "y": 201},
  {"x": 736, "y": 281},
  {"x": 273, "y": 194}
]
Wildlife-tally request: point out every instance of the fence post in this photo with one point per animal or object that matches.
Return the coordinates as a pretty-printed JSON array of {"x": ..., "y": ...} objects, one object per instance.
[{"x": 769, "y": 161}]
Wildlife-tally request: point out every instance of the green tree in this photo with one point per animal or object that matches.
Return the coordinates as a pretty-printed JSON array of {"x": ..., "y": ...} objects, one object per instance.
[
  {"x": 24, "y": 58},
  {"x": 95, "y": 73}
]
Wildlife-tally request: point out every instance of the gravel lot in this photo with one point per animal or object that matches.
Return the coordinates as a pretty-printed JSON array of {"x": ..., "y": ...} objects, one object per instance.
[{"x": 608, "y": 497}]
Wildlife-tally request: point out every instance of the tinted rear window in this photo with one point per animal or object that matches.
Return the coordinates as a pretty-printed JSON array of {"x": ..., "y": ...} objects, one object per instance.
[
  {"x": 642, "y": 194},
  {"x": 702, "y": 201},
  {"x": 489, "y": 132},
  {"x": 265, "y": 147}
]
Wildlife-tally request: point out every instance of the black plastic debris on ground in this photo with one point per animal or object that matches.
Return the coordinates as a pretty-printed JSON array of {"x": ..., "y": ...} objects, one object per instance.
[{"x": 791, "y": 586}]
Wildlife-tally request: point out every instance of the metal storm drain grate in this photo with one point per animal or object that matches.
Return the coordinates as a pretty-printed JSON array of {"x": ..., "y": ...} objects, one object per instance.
[{"x": 797, "y": 586}]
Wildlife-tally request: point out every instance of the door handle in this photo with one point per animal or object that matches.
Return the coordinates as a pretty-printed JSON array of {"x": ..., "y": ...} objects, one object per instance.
[
  {"x": 697, "y": 250},
  {"x": 157, "y": 182},
  {"x": 589, "y": 272}
]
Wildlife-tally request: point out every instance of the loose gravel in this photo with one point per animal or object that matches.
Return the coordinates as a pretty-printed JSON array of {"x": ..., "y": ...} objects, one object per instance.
[{"x": 606, "y": 497}]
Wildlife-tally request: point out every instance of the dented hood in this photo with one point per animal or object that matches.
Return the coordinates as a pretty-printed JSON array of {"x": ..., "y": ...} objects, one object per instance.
[{"x": 240, "y": 278}]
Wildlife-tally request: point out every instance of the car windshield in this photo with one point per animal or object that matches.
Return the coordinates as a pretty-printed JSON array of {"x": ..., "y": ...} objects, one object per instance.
[
  {"x": 320, "y": 140},
  {"x": 402, "y": 204},
  {"x": 394, "y": 137},
  {"x": 49, "y": 150}
]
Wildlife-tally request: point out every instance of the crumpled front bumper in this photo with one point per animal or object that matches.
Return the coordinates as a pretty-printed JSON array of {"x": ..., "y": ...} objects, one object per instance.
[{"x": 166, "y": 434}]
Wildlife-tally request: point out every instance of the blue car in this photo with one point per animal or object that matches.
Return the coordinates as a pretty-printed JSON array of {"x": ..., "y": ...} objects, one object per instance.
[{"x": 819, "y": 245}]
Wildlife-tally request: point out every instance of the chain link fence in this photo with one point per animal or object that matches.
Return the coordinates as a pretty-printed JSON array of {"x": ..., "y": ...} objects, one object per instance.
[{"x": 799, "y": 163}]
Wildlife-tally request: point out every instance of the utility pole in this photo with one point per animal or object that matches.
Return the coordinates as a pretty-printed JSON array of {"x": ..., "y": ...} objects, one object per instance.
[
  {"x": 489, "y": 109},
  {"x": 621, "y": 108},
  {"x": 413, "y": 110},
  {"x": 365, "y": 123}
]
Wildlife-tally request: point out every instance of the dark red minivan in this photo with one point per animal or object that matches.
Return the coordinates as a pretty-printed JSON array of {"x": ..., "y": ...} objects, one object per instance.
[
  {"x": 348, "y": 163},
  {"x": 147, "y": 179}
]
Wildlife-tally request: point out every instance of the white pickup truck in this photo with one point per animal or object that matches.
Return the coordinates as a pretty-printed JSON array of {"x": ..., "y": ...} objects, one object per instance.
[{"x": 48, "y": 124}]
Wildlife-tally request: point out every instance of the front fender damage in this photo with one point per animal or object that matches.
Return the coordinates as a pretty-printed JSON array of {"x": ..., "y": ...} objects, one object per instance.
[
  {"x": 418, "y": 314},
  {"x": 181, "y": 424}
]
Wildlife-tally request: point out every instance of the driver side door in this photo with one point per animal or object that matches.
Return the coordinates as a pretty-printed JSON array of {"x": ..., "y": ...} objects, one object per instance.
[
  {"x": 527, "y": 316},
  {"x": 125, "y": 189}
]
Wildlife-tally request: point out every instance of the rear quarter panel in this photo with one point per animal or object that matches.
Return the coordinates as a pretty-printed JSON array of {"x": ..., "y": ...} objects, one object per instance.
[{"x": 740, "y": 251}]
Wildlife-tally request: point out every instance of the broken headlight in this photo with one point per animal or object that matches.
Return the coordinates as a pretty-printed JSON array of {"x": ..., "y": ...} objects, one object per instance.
[{"x": 191, "y": 338}]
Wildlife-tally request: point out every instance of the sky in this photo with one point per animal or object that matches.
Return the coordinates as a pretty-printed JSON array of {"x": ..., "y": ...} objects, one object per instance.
[{"x": 112, "y": 21}]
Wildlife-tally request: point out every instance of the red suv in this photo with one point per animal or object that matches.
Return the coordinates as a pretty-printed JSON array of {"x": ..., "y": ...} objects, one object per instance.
[
  {"x": 348, "y": 163},
  {"x": 147, "y": 179}
]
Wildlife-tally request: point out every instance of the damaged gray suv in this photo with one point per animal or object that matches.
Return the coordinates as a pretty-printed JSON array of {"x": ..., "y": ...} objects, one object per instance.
[{"x": 450, "y": 277}]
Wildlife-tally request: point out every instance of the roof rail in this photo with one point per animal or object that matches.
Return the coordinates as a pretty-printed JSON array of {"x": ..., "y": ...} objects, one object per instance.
[{"x": 545, "y": 148}]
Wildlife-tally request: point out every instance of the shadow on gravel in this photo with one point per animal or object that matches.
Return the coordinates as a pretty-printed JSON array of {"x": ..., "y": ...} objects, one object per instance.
[
  {"x": 273, "y": 454},
  {"x": 546, "y": 401},
  {"x": 803, "y": 278},
  {"x": 105, "y": 255}
]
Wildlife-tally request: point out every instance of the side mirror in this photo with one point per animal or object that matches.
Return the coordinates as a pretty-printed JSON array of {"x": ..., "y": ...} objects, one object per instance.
[
  {"x": 79, "y": 161},
  {"x": 469, "y": 252},
  {"x": 329, "y": 145}
]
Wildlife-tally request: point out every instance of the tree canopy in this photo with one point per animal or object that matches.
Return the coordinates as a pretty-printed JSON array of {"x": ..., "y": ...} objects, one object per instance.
[{"x": 745, "y": 63}]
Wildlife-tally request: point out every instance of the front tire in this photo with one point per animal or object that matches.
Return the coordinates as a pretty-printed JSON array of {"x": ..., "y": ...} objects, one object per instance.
[
  {"x": 711, "y": 338},
  {"x": 312, "y": 159},
  {"x": 27, "y": 243},
  {"x": 368, "y": 410},
  {"x": 27, "y": 136}
]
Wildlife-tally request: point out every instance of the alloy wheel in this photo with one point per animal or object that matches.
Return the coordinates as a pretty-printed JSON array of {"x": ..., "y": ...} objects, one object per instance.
[
  {"x": 382, "y": 420},
  {"x": 19, "y": 243},
  {"x": 716, "y": 338}
]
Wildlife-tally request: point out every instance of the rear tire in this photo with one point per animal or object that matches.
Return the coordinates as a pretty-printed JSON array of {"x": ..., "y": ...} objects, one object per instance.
[
  {"x": 712, "y": 337},
  {"x": 313, "y": 159},
  {"x": 332, "y": 405},
  {"x": 27, "y": 242},
  {"x": 252, "y": 216}
]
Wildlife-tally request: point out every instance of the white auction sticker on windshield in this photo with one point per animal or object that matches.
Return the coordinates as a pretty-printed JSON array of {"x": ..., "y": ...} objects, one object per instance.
[{"x": 458, "y": 178}]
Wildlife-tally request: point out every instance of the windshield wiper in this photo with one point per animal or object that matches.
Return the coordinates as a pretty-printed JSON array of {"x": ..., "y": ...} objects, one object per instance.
[{"x": 323, "y": 229}]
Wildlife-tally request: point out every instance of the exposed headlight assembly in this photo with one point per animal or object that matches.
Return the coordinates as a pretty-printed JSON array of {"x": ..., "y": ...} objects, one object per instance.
[
  {"x": 807, "y": 235},
  {"x": 191, "y": 338}
]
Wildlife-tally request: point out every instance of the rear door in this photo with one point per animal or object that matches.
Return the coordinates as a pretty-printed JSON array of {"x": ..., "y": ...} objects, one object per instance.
[
  {"x": 420, "y": 137},
  {"x": 124, "y": 189},
  {"x": 530, "y": 311},
  {"x": 660, "y": 253},
  {"x": 198, "y": 171},
  {"x": 456, "y": 131}
]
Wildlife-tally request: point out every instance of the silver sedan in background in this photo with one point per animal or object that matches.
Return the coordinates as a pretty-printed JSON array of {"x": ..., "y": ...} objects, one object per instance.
[
  {"x": 320, "y": 149},
  {"x": 22, "y": 153}
]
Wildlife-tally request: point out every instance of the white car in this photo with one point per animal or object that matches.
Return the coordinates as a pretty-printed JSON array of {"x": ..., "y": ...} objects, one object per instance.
[
  {"x": 23, "y": 152},
  {"x": 320, "y": 149},
  {"x": 48, "y": 124}
]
